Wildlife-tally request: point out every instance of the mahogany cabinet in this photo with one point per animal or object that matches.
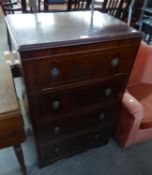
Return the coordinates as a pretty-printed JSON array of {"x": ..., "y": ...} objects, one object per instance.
[{"x": 75, "y": 71}]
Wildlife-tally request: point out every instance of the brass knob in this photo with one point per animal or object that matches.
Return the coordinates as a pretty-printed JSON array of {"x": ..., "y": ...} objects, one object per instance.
[
  {"x": 114, "y": 62},
  {"x": 102, "y": 116},
  {"x": 56, "y": 105},
  {"x": 54, "y": 73},
  {"x": 57, "y": 130},
  {"x": 108, "y": 92}
]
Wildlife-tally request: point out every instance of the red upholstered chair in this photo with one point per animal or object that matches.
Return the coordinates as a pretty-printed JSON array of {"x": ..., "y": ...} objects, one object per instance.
[{"x": 135, "y": 124}]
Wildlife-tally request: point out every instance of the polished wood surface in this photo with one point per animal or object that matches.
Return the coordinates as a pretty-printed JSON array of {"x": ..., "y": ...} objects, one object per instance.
[
  {"x": 74, "y": 145},
  {"x": 8, "y": 101},
  {"x": 58, "y": 104},
  {"x": 40, "y": 74},
  {"x": 11, "y": 122},
  {"x": 75, "y": 75},
  {"x": 49, "y": 30}
]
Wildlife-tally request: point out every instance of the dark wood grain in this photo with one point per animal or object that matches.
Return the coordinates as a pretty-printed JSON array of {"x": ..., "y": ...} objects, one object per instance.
[
  {"x": 74, "y": 99},
  {"x": 75, "y": 75},
  {"x": 81, "y": 142},
  {"x": 77, "y": 67},
  {"x": 63, "y": 128},
  {"x": 50, "y": 30},
  {"x": 102, "y": 46}
]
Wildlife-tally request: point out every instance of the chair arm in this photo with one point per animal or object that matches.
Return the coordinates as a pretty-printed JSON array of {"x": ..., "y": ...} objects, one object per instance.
[
  {"x": 130, "y": 120},
  {"x": 132, "y": 105}
]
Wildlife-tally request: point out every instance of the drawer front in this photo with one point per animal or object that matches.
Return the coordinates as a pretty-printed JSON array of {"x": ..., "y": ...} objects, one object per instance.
[
  {"x": 78, "y": 122},
  {"x": 52, "y": 152},
  {"x": 58, "y": 70},
  {"x": 49, "y": 106}
]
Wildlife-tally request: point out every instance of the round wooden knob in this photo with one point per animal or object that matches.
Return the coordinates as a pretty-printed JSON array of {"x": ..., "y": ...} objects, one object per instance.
[
  {"x": 114, "y": 62},
  {"x": 102, "y": 116},
  {"x": 54, "y": 73},
  {"x": 56, "y": 105},
  {"x": 108, "y": 92},
  {"x": 57, "y": 130}
]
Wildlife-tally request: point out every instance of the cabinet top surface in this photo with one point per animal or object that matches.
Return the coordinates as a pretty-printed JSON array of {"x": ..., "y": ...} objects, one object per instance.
[{"x": 46, "y": 30}]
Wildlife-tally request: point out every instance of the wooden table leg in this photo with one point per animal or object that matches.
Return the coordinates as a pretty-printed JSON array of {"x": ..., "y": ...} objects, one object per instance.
[{"x": 20, "y": 157}]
